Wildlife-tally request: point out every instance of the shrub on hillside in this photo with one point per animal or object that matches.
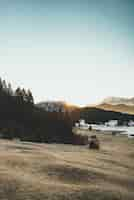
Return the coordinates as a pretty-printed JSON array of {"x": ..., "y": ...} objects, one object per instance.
[{"x": 94, "y": 142}]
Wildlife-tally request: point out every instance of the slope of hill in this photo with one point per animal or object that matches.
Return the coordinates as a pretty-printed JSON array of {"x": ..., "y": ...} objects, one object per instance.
[
  {"x": 119, "y": 100},
  {"x": 31, "y": 171},
  {"x": 118, "y": 108},
  {"x": 97, "y": 115}
]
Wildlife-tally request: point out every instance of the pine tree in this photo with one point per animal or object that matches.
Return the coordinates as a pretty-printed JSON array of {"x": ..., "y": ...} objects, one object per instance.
[
  {"x": 19, "y": 94},
  {"x": 10, "y": 90},
  {"x": 30, "y": 97},
  {"x": 1, "y": 85},
  {"x": 24, "y": 95},
  {"x": 4, "y": 85}
]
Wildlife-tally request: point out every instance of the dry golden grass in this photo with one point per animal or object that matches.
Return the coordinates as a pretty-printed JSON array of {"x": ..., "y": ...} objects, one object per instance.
[{"x": 30, "y": 171}]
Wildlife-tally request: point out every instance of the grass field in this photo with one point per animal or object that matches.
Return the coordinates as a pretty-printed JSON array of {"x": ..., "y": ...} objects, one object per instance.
[{"x": 30, "y": 171}]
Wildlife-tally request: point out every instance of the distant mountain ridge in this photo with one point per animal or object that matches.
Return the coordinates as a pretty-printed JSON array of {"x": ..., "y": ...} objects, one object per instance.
[
  {"x": 51, "y": 106},
  {"x": 56, "y": 106},
  {"x": 117, "y": 104},
  {"x": 117, "y": 108},
  {"x": 118, "y": 100}
]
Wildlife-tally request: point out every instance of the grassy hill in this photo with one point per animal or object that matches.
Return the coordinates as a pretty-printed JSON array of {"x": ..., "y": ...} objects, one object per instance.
[{"x": 32, "y": 171}]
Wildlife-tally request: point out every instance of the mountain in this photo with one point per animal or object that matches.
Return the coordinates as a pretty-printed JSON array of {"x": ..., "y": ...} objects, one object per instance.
[
  {"x": 56, "y": 106},
  {"x": 123, "y": 108},
  {"x": 52, "y": 106},
  {"x": 119, "y": 100},
  {"x": 118, "y": 104}
]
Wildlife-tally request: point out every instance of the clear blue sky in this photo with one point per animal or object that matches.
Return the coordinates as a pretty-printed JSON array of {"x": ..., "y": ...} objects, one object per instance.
[{"x": 79, "y": 51}]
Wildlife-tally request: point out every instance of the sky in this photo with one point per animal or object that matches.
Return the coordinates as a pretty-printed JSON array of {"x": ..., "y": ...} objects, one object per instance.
[{"x": 79, "y": 51}]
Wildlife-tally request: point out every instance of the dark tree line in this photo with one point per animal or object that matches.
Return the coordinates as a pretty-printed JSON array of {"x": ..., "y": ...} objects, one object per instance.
[
  {"x": 96, "y": 115},
  {"x": 20, "y": 118},
  {"x": 21, "y": 94}
]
